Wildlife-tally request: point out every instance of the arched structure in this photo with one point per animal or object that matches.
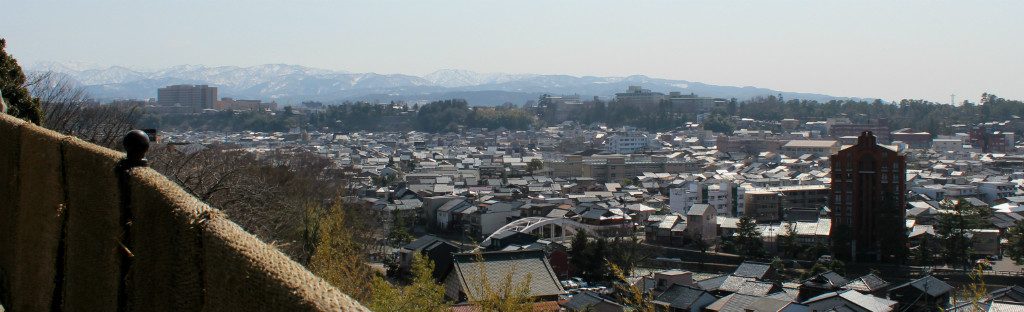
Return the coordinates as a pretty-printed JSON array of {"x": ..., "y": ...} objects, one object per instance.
[{"x": 549, "y": 228}]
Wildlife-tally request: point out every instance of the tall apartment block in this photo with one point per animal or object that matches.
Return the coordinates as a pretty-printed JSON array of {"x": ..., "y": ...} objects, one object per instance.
[
  {"x": 198, "y": 97},
  {"x": 867, "y": 202}
]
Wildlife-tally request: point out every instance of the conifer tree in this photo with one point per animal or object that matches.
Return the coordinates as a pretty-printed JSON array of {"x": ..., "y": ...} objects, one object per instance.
[
  {"x": 1015, "y": 236},
  {"x": 748, "y": 239},
  {"x": 422, "y": 294},
  {"x": 338, "y": 258},
  {"x": 20, "y": 102}
]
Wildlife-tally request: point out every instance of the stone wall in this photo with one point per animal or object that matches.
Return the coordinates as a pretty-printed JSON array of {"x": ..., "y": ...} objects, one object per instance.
[{"x": 79, "y": 234}]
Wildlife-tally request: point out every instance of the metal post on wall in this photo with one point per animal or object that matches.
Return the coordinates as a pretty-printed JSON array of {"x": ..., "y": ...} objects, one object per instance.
[{"x": 136, "y": 144}]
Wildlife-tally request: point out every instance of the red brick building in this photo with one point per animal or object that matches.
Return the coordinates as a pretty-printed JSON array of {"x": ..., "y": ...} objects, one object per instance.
[
  {"x": 990, "y": 141},
  {"x": 867, "y": 202}
]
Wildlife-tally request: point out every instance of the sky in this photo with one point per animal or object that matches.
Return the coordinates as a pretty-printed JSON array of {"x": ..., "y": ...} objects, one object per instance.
[{"x": 873, "y": 49}]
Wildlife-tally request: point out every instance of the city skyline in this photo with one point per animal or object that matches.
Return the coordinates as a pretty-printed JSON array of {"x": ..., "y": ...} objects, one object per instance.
[{"x": 915, "y": 50}]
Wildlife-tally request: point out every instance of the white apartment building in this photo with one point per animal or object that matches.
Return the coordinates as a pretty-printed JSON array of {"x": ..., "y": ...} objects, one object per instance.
[
  {"x": 720, "y": 197},
  {"x": 717, "y": 195},
  {"x": 680, "y": 199},
  {"x": 629, "y": 142},
  {"x": 953, "y": 146},
  {"x": 948, "y": 191},
  {"x": 991, "y": 191}
]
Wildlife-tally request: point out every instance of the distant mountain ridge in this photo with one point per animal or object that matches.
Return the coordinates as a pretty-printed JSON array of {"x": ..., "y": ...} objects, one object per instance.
[{"x": 293, "y": 83}]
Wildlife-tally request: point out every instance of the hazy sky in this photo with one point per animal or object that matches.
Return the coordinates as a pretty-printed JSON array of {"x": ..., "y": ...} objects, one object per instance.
[{"x": 886, "y": 49}]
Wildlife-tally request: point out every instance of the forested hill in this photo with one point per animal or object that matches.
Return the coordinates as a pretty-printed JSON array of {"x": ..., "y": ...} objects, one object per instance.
[{"x": 451, "y": 115}]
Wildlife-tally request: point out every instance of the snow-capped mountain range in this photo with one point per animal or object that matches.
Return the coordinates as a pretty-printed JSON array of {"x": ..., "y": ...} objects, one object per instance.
[{"x": 293, "y": 83}]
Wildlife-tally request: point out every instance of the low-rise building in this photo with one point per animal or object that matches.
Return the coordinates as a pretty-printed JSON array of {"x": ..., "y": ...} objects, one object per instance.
[{"x": 818, "y": 148}]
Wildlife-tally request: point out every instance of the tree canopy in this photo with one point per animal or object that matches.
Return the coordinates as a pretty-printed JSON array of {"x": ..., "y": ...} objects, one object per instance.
[
  {"x": 749, "y": 242},
  {"x": 1015, "y": 236},
  {"x": 954, "y": 229},
  {"x": 12, "y": 86}
]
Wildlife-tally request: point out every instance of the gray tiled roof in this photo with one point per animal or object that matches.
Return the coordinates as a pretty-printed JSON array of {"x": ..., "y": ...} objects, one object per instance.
[
  {"x": 767, "y": 304},
  {"x": 830, "y": 280},
  {"x": 522, "y": 266},
  {"x": 584, "y": 300},
  {"x": 698, "y": 209},
  {"x": 734, "y": 283},
  {"x": 752, "y": 269},
  {"x": 929, "y": 284},
  {"x": 1012, "y": 293},
  {"x": 853, "y": 297},
  {"x": 734, "y": 303},
  {"x": 452, "y": 204},
  {"x": 755, "y": 288},
  {"x": 680, "y": 297},
  {"x": 713, "y": 283},
  {"x": 423, "y": 242},
  {"x": 867, "y": 283}
]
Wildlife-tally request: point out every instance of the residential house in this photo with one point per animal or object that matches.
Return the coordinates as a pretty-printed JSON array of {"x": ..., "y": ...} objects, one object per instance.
[
  {"x": 922, "y": 294},
  {"x": 466, "y": 279},
  {"x": 849, "y": 300},
  {"x": 438, "y": 250},
  {"x": 680, "y": 298},
  {"x": 701, "y": 223}
]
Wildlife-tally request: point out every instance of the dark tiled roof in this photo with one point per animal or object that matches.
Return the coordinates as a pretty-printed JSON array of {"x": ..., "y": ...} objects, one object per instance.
[
  {"x": 867, "y": 283},
  {"x": 769, "y": 305},
  {"x": 734, "y": 283},
  {"x": 1004, "y": 220},
  {"x": 452, "y": 204},
  {"x": 583, "y": 300},
  {"x": 594, "y": 213},
  {"x": 975, "y": 202},
  {"x": 752, "y": 269},
  {"x": 755, "y": 288},
  {"x": 855, "y": 298},
  {"x": 522, "y": 266},
  {"x": 1012, "y": 293},
  {"x": 828, "y": 280},
  {"x": 680, "y": 297},
  {"x": 928, "y": 284},
  {"x": 698, "y": 209},
  {"x": 423, "y": 242},
  {"x": 713, "y": 283},
  {"x": 734, "y": 303}
]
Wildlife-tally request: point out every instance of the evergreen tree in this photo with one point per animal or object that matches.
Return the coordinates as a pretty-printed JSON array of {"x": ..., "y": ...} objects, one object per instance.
[
  {"x": 788, "y": 240},
  {"x": 399, "y": 233},
  {"x": 337, "y": 257},
  {"x": 633, "y": 297},
  {"x": 422, "y": 294},
  {"x": 954, "y": 228},
  {"x": 577, "y": 252},
  {"x": 597, "y": 256},
  {"x": 924, "y": 255},
  {"x": 627, "y": 253},
  {"x": 1015, "y": 235},
  {"x": 702, "y": 246},
  {"x": 20, "y": 102},
  {"x": 749, "y": 242},
  {"x": 534, "y": 165}
]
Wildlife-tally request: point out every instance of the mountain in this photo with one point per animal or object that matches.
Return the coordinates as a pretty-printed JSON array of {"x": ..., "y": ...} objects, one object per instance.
[
  {"x": 464, "y": 78},
  {"x": 292, "y": 84}
]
